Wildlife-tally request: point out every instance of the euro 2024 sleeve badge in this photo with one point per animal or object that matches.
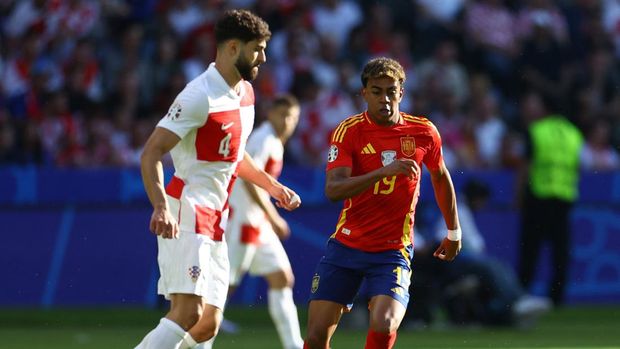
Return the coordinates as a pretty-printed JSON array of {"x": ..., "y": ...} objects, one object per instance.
[{"x": 332, "y": 155}]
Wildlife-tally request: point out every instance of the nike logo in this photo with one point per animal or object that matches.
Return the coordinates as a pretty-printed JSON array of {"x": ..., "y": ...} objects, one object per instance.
[{"x": 228, "y": 125}]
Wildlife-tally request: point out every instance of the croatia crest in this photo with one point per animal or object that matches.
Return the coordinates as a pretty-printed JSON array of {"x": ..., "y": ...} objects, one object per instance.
[
  {"x": 194, "y": 273},
  {"x": 388, "y": 157},
  {"x": 407, "y": 146}
]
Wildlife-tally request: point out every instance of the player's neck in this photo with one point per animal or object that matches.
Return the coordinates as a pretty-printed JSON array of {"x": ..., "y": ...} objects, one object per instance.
[
  {"x": 230, "y": 74},
  {"x": 394, "y": 119}
]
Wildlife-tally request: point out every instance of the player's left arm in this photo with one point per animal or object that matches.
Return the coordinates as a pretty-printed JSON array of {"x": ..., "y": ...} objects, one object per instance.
[
  {"x": 284, "y": 196},
  {"x": 446, "y": 200}
]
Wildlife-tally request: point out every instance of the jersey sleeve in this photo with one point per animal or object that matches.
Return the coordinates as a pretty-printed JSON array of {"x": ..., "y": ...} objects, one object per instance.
[
  {"x": 188, "y": 111},
  {"x": 434, "y": 157},
  {"x": 340, "y": 150}
]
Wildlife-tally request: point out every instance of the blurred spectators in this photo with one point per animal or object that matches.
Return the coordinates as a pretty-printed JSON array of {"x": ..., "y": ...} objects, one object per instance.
[
  {"x": 597, "y": 153},
  {"x": 82, "y": 80}
]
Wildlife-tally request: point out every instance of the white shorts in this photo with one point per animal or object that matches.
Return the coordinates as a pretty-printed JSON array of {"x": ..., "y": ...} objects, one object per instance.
[
  {"x": 193, "y": 264},
  {"x": 259, "y": 258}
]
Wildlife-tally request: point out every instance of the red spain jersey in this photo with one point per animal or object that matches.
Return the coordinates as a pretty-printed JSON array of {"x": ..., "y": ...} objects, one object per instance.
[{"x": 381, "y": 217}]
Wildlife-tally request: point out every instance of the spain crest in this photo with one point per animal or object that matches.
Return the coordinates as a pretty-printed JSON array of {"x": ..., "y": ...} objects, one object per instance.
[
  {"x": 407, "y": 146},
  {"x": 315, "y": 283}
]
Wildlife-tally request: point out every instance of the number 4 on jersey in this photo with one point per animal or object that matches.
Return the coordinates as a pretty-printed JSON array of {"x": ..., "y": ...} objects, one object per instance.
[{"x": 224, "y": 148}]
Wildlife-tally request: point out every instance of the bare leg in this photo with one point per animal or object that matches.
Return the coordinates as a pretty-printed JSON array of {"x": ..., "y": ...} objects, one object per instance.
[{"x": 323, "y": 318}]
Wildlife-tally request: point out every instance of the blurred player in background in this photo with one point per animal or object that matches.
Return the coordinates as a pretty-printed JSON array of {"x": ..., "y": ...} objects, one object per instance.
[
  {"x": 255, "y": 228},
  {"x": 205, "y": 131},
  {"x": 374, "y": 165}
]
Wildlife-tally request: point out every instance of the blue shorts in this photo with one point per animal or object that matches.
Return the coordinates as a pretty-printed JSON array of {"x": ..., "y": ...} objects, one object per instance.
[{"x": 342, "y": 269}]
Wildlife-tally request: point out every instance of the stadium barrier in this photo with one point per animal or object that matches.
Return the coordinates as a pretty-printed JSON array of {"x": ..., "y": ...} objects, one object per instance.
[{"x": 80, "y": 236}]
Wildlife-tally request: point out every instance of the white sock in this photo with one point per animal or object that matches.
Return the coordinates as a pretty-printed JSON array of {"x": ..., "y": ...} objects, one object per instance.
[
  {"x": 284, "y": 314},
  {"x": 167, "y": 335}
]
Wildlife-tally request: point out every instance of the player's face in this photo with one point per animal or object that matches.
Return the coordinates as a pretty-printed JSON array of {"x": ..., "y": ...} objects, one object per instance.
[
  {"x": 251, "y": 56},
  {"x": 383, "y": 96},
  {"x": 284, "y": 120}
]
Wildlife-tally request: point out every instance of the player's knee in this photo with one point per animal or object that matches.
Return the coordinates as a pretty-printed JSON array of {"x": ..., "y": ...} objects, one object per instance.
[
  {"x": 281, "y": 279},
  {"x": 289, "y": 280},
  {"x": 316, "y": 340},
  {"x": 204, "y": 331},
  {"x": 186, "y": 318},
  {"x": 384, "y": 324}
]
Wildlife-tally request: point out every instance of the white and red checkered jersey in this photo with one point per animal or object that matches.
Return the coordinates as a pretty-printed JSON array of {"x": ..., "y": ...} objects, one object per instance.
[
  {"x": 267, "y": 151},
  {"x": 213, "y": 122}
]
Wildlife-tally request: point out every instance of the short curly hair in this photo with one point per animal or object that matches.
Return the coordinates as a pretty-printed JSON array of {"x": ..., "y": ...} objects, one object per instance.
[
  {"x": 242, "y": 25},
  {"x": 383, "y": 66}
]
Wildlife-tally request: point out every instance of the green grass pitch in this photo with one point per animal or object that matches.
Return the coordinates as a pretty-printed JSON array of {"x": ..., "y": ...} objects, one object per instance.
[{"x": 570, "y": 327}]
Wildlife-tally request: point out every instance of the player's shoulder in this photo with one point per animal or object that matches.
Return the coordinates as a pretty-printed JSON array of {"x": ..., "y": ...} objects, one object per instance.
[
  {"x": 419, "y": 121},
  {"x": 346, "y": 126},
  {"x": 416, "y": 119}
]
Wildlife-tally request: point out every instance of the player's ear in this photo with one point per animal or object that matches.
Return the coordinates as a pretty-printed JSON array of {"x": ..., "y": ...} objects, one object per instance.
[{"x": 233, "y": 47}]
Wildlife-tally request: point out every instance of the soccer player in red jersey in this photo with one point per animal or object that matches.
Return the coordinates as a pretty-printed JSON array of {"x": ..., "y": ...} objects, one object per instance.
[{"x": 374, "y": 165}]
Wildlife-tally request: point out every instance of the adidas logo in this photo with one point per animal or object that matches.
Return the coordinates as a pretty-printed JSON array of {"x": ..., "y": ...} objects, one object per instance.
[{"x": 368, "y": 149}]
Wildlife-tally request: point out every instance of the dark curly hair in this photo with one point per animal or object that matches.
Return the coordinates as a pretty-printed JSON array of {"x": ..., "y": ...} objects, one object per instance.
[
  {"x": 242, "y": 25},
  {"x": 382, "y": 66}
]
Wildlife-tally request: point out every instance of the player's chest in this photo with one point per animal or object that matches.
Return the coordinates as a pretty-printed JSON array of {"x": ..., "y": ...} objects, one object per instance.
[{"x": 377, "y": 149}]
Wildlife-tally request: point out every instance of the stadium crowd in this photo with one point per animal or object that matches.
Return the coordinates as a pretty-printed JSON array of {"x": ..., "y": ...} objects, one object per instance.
[{"x": 83, "y": 82}]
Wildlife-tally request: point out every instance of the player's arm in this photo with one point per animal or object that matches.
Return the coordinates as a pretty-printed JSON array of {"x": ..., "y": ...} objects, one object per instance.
[
  {"x": 280, "y": 227},
  {"x": 285, "y": 197},
  {"x": 340, "y": 185},
  {"x": 446, "y": 200},
  {"x": 159, "y": 143}
]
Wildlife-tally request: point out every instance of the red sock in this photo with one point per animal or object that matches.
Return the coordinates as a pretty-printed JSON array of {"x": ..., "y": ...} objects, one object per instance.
[{"x": 378, "y": 340}]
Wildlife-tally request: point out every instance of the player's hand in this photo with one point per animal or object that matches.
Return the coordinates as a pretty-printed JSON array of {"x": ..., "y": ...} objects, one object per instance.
[
  {"x": 403, "y": 166},
  {"x": 285, "y": 197},
  {"x": 447, "y": 249},
  {"x": 164, "y": 224},
  {"x": 281, "y": 228}
]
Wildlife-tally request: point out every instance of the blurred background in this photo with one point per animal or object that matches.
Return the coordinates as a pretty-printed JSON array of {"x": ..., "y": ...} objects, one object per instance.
[{"x": 83, "y": 82}]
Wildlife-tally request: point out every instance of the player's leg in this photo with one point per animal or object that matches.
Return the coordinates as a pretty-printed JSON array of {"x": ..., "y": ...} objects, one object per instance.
[
  {"x": 183, "y": 282},
  {"x": 335, "y": 283},
  {"x": 240, "y": 255},
  {"x": 171, "y": 332},
  {"x": 323, "y": 318},
  {"x": 282, "y": 308},
  {"x": 386, "y": 314},
  {"x": 387, "y": 283},
  {"x": 272, "y": 263},
  {"x": 214, "y": 291}
]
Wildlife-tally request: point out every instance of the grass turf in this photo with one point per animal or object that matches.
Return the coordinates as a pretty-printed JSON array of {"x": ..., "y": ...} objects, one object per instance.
[{"x": 571, "y": 327}]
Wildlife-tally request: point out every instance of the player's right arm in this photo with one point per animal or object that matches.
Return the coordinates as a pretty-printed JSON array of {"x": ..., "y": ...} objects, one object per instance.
[
  {"x": 159, "y": 143},
  {"x": 280, "y": 227},
  {"x": 340, "y": 185}
]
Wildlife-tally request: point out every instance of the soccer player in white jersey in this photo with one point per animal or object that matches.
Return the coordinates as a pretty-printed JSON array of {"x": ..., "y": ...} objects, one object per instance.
[
  {"x": 205, "y": 130},
  {"x": 255, "y": 228}
]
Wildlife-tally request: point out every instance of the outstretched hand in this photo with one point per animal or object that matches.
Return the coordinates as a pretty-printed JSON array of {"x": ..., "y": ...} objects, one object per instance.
[
  {"x": 285, "y": 197},
  {"x": 447, "y": 249}
]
